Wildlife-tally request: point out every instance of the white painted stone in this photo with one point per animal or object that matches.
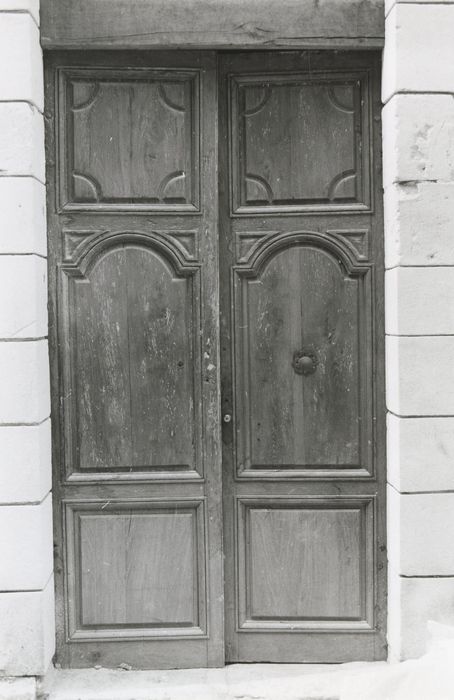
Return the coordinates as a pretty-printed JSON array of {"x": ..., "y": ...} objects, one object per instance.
[
  {"x": 422, "y": 527},
  {"x": 26, "y": 550},
  {"x": 419, "y": 224},
  {"x": 418, "y": 138},
  {"x": 419, "y": 300},
  {"x": 17, "y": 688},
  {"x": 393, "y": 525},
  {"x": 430, "y": 677},
  {"x": 24, "y": 382},
  {"x": 22, "y": 216},
  {"x": 420, "y": 454},
  {"x": 21, "y": 77},
  {"x": 389, "y": 68},
  {"x": 25, "y": 463},
  {"x": 27, "y": 632},
  {"x": 23, "y": 291},
  {"x": 235, "y": 681},
  {"x": 411, "y": 603},
  {"x": 389, "y": 4},
  {"x": 419, "y": 49},
  {"x": 21, "y": 140},
  {"x": 31, "y": 6},
  {"x": 420, "y": 376},
  {"x": 394, "y": 621}
]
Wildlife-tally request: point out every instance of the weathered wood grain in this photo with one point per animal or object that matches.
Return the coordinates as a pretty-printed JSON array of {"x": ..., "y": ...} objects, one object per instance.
[
  {"x": 137, "y": 569},
  {"x": 134, "y": 337},
  {"x": 131, "y": 138},
  {"x": 133, "y": 366},
  {"x": 134, "y": 352},
  {"x": 320, "y": 551},
  {"x": 303, "y": 569},
  {"x": 299, "y": 140},
  {"x": 302, "y": 302},
  {"x": 212, "y": 23}
]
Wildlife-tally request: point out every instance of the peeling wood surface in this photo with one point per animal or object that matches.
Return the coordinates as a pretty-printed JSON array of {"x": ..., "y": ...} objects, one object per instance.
[
  {"x": 212, "y": 23},
  {"x": 301, "y": 285},
  {"x": 134, "y": 319},
  {"x": 216, "y": 240}
]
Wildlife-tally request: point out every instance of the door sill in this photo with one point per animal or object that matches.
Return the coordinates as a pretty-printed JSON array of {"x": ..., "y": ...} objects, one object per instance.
[{"x": 261, "y": 681}]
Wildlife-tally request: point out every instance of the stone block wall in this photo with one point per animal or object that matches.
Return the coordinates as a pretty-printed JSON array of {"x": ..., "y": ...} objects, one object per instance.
[
  {"x": 418, "y": 133},
  {"x": 418, "y": 128},
  {"x": 26, "y": 582}
]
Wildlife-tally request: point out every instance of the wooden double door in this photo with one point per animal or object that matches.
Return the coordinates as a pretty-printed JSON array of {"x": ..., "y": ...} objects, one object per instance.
[{"x": 216, "y": 260}]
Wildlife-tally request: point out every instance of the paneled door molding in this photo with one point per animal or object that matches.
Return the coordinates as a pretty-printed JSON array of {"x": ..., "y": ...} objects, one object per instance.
[{"x": 217, "y": 356}]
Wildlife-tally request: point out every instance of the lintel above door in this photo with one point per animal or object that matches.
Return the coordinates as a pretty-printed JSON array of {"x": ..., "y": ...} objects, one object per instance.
[{"x": 268, "y": 24}]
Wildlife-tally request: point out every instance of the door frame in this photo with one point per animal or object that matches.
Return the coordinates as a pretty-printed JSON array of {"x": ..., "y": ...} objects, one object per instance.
[{"x": 61, "y": 613}]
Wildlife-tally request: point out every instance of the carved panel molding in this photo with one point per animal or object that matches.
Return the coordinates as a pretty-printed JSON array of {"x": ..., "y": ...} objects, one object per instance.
[
  {"x": 300, "y": 142},
  {"x": 182, "y": 245},
  {"x": 129, "y": 139},
  {"x": 131, "y": 398},
  {"x": 354, "y": 242},
  {"x": 302, "y": 292}
]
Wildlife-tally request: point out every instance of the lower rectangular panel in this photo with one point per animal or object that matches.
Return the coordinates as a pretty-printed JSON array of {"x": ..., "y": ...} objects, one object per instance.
[
  {"x": 136, "y": 570},
  {"x": 306, "y": 580},
  {"x": 305, "y": 563}
]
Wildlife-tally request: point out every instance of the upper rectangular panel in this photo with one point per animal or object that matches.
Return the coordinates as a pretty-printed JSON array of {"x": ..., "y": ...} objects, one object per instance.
[
  {"x": 129, "y": 139},
  {"x": 299, "y": 141},
  {"x": 180, "y": 24}
]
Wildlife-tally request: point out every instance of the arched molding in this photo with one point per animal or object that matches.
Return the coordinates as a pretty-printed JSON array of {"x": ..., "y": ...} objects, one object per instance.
[
  {"x": 264, "y": 253},
  {"x": 89, "y": 254}
]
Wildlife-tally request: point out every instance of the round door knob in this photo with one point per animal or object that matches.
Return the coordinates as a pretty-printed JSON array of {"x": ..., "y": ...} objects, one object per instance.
[
  {"x": 227, "y": 418},
  {"x": 304, "y": 362}
]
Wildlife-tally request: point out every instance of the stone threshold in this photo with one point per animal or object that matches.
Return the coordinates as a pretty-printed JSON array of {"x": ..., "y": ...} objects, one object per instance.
[{"x": 235, "y": 682}]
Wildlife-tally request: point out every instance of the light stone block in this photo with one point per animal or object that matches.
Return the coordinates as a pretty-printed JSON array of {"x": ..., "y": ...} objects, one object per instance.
[
  {"x": 420, "y": 376},
  {"x": 394, "y": 622},
  {"x": 411, "y": 603},
  {"x": 21, "y": 140},
  {"x": 17, "y": 688},
  {"x": 389, "y": 4},
  {"x": 23, "y": 291},
  {"x": 419, "y": 220},
  {"x": 419, "y": 300},
  {"x": 419, "y": 138},
  {"x": 21, "y": 76},
  {"x": 26, "y": 546},
  {"x": 22, "y": 216},
  {"x": 25, "y": 463},
  {"x": 30, "y": 6},
  {"x": 419, "y": 49},
  {"x": 27, "y": 632},
  {"x": 421, "y": 527},
  {"x": 24, "y": 381},
  {"x": 420, "y": 454}
]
